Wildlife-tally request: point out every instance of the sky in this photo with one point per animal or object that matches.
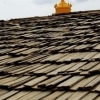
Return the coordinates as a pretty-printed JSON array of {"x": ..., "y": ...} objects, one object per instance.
[{"x": 10, "y": 9}]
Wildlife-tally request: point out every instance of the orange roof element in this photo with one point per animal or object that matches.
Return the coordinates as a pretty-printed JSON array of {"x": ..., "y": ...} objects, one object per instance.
[{"x": 63, "y": 7}]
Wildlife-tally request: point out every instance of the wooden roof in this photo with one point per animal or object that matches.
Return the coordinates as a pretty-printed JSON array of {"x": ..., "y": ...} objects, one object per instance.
[{"x": 51, "y": 57}]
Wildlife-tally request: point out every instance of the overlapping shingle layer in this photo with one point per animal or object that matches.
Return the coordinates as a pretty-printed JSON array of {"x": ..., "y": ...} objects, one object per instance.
[{"x": 51, "y": 58}]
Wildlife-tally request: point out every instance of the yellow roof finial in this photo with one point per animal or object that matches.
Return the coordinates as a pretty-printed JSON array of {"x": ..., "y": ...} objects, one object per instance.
[
  {"x": 63, "y": 7},
  {"x": 62, "y": 1}
]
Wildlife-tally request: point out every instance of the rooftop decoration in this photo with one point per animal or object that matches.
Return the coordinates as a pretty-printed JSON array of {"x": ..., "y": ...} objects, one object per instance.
[{"x": 62, "y": 7}]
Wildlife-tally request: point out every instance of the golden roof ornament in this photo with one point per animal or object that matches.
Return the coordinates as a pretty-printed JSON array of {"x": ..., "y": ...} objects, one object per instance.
[{"x": 63, "y": 7}]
